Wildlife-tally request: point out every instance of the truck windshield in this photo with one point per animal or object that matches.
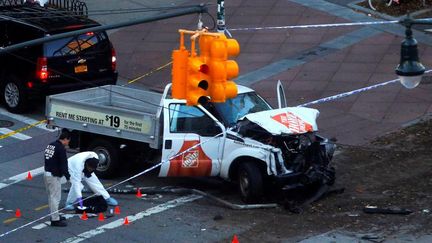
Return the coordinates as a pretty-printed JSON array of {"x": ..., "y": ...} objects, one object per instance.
[{"x": 234, "y": 109}]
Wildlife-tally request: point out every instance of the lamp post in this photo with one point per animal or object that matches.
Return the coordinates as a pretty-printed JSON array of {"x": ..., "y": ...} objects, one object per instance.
[{"x": 410, "y": 69}]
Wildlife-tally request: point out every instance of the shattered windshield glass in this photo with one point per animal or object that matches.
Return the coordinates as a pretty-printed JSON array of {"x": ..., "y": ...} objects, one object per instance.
[{"x": 234, "y": 109}]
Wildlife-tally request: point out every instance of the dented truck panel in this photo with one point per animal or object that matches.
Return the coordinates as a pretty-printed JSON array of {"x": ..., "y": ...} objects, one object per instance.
[{"x": 237, "y": 148}]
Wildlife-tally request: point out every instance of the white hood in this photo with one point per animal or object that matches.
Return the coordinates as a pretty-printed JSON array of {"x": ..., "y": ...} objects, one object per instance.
[{"x": 289, "y": 120}]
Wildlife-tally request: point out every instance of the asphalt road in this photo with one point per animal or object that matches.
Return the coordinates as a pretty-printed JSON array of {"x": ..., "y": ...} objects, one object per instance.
[{"x": 153, "y": 218}]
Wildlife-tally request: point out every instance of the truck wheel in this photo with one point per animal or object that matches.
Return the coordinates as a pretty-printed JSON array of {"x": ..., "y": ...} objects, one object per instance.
[
  {"x": 13, "y": 95},
  {"x": 108, "y": 157},
  {"x": 250, "y": 182}
]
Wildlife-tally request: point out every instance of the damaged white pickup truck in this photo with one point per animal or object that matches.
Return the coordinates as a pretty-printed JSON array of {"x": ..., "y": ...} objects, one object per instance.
[{"x": 242, "y": 140}]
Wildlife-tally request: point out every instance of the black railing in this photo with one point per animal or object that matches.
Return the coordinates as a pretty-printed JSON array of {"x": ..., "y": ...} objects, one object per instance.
[
  {"x": 75, "y": 6},
  {"x": 11, "y": 2}
]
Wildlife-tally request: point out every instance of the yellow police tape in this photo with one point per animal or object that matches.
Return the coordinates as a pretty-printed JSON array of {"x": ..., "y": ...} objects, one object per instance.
[
  {"x": 21, "y": 129},
  {"x": 149, "y": 73},
  {"x": 42, "y": 121}
]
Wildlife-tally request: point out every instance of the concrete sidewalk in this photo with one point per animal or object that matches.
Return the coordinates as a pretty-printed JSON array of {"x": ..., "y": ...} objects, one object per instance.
[{"x": 312, "y": 63}]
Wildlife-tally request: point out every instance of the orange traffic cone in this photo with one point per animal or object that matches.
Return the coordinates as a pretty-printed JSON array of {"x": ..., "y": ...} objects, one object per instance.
[
  {"x": 84, "y": 216},
  {"x": 29, "y": 176},
  {"x": 235, "y": 239},
  {"x": 101, "y": 217},
  {"x": 126, "y": 221},
  {"x": 18, "y": 213},
  {"x": 117, "y": 210},
  {"x": 139, "y": 195}
]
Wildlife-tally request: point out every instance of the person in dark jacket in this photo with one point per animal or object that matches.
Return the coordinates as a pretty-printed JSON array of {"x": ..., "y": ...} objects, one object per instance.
[{"x": 56, "y": 166}]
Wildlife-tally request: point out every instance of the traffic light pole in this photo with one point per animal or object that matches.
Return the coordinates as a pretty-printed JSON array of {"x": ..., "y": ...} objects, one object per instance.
[
  {"x": 220, "y": 23},
  {"x": 196, "y": 9}
]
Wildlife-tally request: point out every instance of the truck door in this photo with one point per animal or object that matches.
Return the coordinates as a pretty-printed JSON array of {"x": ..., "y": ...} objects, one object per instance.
[
  {"x": 185, "y": 127},
  {"x": 281, "y": 95}
]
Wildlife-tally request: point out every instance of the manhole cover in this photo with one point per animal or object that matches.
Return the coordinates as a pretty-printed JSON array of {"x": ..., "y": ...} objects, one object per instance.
[{"x": 5, "y": 123}]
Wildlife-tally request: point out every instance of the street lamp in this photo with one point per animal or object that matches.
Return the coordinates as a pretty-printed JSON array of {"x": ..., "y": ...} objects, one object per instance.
[{"x": 410, "y": 69}]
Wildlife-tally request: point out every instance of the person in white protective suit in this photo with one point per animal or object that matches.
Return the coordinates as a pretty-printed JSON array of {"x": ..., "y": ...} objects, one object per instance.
[{"x": 81, "y": 167}]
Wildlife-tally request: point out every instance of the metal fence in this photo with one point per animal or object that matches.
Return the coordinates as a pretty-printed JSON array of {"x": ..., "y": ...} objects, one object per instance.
[{"x": 75, "y": 6}]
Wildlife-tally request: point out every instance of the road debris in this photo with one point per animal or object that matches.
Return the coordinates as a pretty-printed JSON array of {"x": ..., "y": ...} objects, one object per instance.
[
  {"x": 392, "y": 210},
  {"x": 182, "y": 191},
  {"x": 322, "y": 192}
]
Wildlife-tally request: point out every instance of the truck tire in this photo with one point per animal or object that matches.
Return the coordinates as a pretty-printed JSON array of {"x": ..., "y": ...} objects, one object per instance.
[
  {"x": 250, "y": 182},
  {"x": 108, "y": 157},
  {"x": 13, "y": 95}
]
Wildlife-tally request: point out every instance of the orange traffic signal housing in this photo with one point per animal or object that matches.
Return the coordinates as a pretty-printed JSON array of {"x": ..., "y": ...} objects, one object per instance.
[
  {"x": 179, "y": 71},
  {"x": 208, "y": 74},
  {"x": 222, "y": 69},
  {"x": 197, "y": 80}
]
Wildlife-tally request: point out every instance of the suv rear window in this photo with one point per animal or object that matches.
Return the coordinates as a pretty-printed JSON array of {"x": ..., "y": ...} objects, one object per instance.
[{"x": 74, "y": 45}]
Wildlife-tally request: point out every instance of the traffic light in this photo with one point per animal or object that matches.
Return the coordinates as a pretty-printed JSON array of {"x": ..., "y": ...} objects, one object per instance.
[
  {"x": 223, "y": 70},
  {"x": 179, "y": 72},
  {"x": 190, "y": 79},
  {"x": 207, "y": 74},
  {"x": 197, "y": 80}
]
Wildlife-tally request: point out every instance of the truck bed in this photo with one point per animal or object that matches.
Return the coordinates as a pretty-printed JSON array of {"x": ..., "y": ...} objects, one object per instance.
[{"x": 110, "y": 110}]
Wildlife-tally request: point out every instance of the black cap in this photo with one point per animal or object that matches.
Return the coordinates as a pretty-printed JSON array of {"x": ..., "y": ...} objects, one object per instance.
[
  {"x": 92, "y": 162},
  {"x": 65, "y": 134}
]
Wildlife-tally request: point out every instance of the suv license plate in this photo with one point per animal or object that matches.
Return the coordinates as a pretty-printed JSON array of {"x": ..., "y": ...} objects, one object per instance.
[{"x": 81, "y": 69}]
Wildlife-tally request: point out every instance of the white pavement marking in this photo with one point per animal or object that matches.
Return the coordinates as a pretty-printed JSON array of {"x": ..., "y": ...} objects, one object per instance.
[
  {"x": 20, "y": 177},
  {"x": 119, "y": 222},
  {"x": 23, "y": 119},
  {"x": 47, "y": 223},
  {"x": 19, "y": 136}
]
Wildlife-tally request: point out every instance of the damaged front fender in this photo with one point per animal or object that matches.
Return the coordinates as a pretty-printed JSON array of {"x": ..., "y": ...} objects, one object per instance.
[
  {"x": 246, "y": 150},
  {"x": 297, "y": 158}
]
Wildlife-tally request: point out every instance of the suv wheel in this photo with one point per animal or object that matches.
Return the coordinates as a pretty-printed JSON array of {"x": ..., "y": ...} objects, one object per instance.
[{"x": 13, "y": 95}]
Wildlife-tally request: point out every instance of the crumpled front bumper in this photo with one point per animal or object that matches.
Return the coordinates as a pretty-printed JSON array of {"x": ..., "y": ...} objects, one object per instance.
[
  {"x": 288, "y": 180},
  {"x": 319, "y": 172}
]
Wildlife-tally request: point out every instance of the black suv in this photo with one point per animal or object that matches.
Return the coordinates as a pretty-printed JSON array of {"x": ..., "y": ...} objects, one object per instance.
[{"x": 67, "y": 64}]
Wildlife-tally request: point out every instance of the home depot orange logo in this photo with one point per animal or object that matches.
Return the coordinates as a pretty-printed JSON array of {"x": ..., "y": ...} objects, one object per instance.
[
  {"x": 192, "y": 163},
  {"x": 190, "y": 159},
  {"x": 293, "y": 122}
]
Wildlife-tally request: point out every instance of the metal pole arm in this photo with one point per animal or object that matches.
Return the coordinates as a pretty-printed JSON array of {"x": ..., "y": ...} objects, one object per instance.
[{"x": 408, "y": 21}]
